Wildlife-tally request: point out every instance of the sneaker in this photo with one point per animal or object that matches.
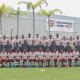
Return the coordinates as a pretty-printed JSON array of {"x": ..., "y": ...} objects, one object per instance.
[
  {"x": 45, "y": 66},
  {"x": 72, "y": 65},
  {"x": 20, "y": 66},
  {"x": 59, "y": 65},
  {"x": 27, "y": 66},
  {"x": 66, "y": 66},
  {"x": 50, "y": 66},
  {"x": 35, "y": 66},
  {"x": 14, "y": 66},
  {"x": 79, "y": 65}
]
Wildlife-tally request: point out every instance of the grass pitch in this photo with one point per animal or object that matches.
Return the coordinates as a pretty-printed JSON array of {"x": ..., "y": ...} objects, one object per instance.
[{"x": 62, "y": 73}]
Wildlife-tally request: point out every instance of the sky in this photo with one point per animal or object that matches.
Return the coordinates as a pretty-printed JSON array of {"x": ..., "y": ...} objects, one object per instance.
[{"x": 68, "y": 7}]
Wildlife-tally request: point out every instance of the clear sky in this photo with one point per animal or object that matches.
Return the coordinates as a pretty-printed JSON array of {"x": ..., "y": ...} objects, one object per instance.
[{"x": 68, "y": 7}]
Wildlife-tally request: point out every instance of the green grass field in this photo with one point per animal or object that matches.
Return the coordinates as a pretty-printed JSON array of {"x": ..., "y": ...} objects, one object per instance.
[{"x": 62, "y": 73}]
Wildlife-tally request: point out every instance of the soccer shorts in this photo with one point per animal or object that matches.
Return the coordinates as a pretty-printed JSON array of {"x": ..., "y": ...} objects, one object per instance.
[
  {"x": 76, "y": 59},
  {"x": 13, "y": 50},
  {"x": 69, "y": 59},
  {"x": 2, "y": 60},
  {"x": 63, "y": 60},
  {"x": 40, "y": 60},
  {"x": 32, "y": 59},
  {"x": 24, "y": 60},
  {"x": 48, "y": 60},
  {"x": 71, "y": 50},
  {"x": 17, "y": 60},
  {"x": 55, "y": 59},
  {"x": 10, "y": 60}
]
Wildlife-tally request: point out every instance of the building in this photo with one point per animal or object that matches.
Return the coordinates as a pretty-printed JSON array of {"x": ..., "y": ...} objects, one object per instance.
[{"x": 26, "y": 25}]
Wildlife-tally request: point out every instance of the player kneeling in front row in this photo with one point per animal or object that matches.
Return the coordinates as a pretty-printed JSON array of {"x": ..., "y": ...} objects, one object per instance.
[
  {"x": 69, "y": 57},
  {"x": 54, "y": 58},
  {"x": 3, "y": 57},
  {"x": 47, "y": 57},
  {"x": 76, "y": 56},
  {"x": 32, "y": 58},
  {"x": 17, "y": 57},
  {"x": 62, "y": 58},
  {"x": 10, "y": 58},
  {"x": 40, "y": 57}
]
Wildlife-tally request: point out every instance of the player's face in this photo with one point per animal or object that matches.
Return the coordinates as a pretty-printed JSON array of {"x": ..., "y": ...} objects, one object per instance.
[
  {"x": 47, "y": 50},
  {"x": 17, "y": 50},
  {"x": 40, "y": 42},
  {"x": 60, "y": 43},
  {"x": 43, "y": 37},
  {"x": 68, "y": 51},
  {"x": 54, "y": 50},
  {"x": 33, "y": 42},
  {"x": 32, "y": 50},
  {"x": 75, "y": 50},
  {"x": 37, "y": 35},
  {"x": 68, "y": 44},
  {"x": 40, "y": 50},
  {"x": 77, "y": 37},
  {"x": 50, "y": 36},
  {"x": 57, "y": 35},
  {"x": 11, "y": 37},
  {"x": 22, "y": 36},
  {"x": 29, "y": 35},
  {"x": 10, "y": 50},
  {"x": 64, "y": 38},
  {"x": 16, "y": 37},
  {"x": 4, "y": 37},
  {"x": 8, "y": 42},
  {"x": 24, "y": 51},
  {"x": 3, "y": 50},
  {"x": 46, "y": 43},
  {"x": 62, "y": 51},
  {"x": 70, "y": 38}
]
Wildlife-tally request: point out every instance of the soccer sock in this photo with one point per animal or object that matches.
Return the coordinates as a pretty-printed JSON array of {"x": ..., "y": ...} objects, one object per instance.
[
  {"x": 27, "y": 62},
  {"x": 21, "y": 62},
  {"x": 53, "y": 63},
  {"x": 15, "y": 62},
  {"x": 8, "y": 64},
  {"x": 79, "y": 61},
  {"x": 12, "y": 64},
  {"x": 72, "y": 61},
  {"x": 67, "y": 61},
  {"x": 35, "y": 63},
  {"x": 43, "y": 64},
  {"x": 5, "y": 65},
  {"x": 58, "y": 63},
  {"x": 0, "y": 65}
]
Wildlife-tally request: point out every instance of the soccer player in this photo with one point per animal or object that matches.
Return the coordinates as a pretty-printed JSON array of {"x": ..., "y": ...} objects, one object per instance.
[
  {"x": 11, "y": 57},
  {"x": 44, "y": 41},
  {"x": 76, "y": 40},
  {"x": 46, "y": 47},
  {"x": 57, "y": 39},
  {"x": 62, "y": 58},
  {"x": 67, "y": 47},
  {"x": 33, "y": 46},
  {"x": 64, "y": 42},
  {"x": 37, "y": 39},
  {"x": 71, "y": 42},
  {"x": 60, "y": 47},
  {"x": 78, "y": 46},
  {"x": 8, "y": 46},
  {"x": 22, "y": 39},
  {"x": 53, "y": 46},
  {"x": 17, "y": 40},
  {"x": 12, "y": 43},
  {"x": 76, "y": 56},
  {"x": 50, "y": 40},
  {"x": 1, "y": 46},
  {"x": 47, "y": 55},
  {"x": 40, "y": 46},
  {"x": 40, "y": 56},
  {"x": 32, "y": 55},
  {"x": 3, "y": 57},
  {"x": 54, "y": 58},
  {"x": 25, "y": 46},
  {"x": 17, "y": 57},
  {"x": 69, "y": 57},
  {"x": 16, "y": 46},
  {"x": 25, "y": 57},
  {"x": 4, "y": 40}
]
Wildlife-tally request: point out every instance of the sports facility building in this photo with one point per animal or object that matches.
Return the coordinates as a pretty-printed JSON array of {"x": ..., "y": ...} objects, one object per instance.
[{"x": 64, "y": 25}]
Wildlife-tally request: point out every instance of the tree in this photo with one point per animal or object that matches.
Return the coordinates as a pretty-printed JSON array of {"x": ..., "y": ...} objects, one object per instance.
[
  {"x": 3, "y": 11},
  {"x": 32, "y": 6},
  {"x": 48, "y": 14},
  {"x": 17, "y": 13}
]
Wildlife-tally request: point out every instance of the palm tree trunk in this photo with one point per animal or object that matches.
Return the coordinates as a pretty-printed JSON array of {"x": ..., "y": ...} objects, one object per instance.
[
  {"x": 0, "y": 24},
  {"x": 18, "y": 25},
  {"x": 33, "y": 25},
  {"x": 49, "y": 24}
]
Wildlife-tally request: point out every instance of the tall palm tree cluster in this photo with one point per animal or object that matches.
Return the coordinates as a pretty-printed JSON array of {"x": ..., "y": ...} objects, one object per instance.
[{"x": 30, "y": 5}]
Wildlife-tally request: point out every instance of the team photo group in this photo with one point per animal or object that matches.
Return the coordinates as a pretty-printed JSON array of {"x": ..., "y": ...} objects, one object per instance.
[{"x": 43, "y": 52}]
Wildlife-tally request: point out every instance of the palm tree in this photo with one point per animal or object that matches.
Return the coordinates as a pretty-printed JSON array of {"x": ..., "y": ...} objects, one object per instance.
[
  {"x": 17, "y": 13},
  {"x": 32, "y": 6},
  {"x": 48, "y": 14},
  {"x": 3, "y": 11}
]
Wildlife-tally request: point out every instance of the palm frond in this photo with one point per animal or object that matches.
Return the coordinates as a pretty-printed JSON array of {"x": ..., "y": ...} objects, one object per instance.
[
  {"x": 22, "y": 2},
  {"x": 27, "y": 13},
  {"x": 43, "y": 1},
  {"x": 55, "y": 10},
  {"x": 37, "y": 5},
  {"x": 29, "y": 5}
]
